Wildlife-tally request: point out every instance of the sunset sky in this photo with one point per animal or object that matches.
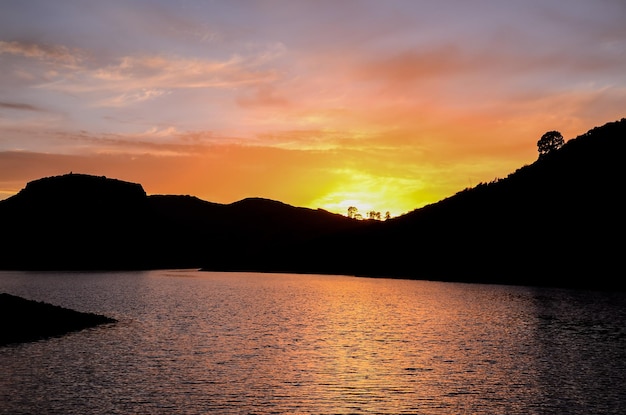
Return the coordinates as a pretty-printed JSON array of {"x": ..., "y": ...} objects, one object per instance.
[{"x": 383, "y": 105}]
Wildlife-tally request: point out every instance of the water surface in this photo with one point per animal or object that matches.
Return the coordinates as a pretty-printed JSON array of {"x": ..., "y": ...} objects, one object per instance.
[{"x": 190, "y": 342}]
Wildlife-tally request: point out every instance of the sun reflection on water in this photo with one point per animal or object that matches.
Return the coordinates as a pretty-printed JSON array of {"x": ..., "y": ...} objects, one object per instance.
[{"x": 301, "y": 344}]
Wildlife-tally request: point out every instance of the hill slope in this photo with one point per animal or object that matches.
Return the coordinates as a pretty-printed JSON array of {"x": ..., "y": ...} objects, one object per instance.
[
  {"x": 559, "y": 221},
  {"x": 556, "y": 222},
  {"x": 79, "y": 221}
]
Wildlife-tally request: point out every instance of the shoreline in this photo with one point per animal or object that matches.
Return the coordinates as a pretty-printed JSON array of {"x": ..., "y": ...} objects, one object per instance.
[{"x": 27, "y": 320}]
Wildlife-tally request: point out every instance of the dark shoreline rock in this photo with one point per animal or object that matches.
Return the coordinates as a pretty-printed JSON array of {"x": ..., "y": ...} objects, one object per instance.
[{"x": 24, "y": 320}]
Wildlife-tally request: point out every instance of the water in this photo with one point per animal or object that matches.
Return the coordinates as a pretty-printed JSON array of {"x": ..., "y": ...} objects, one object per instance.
[{"x": 191, "y": 342}]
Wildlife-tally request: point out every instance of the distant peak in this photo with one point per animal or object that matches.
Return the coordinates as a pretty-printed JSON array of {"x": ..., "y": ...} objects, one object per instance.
[
  {"x": 257, "y": 201},
  {"x": 76, "y": 185},
  {"x": 79, "y": 178}
]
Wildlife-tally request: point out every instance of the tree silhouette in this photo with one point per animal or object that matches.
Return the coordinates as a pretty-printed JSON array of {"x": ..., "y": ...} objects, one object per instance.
[
  {"x": 373, "y": 215},
  {"x": 550, "y": 141},
  {"x": 352, "y": 212}
]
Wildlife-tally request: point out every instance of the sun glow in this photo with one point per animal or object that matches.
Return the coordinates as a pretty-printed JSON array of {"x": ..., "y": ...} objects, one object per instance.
[
  {"x": 368, "y": 192},
  {"x": 383, "y": 112},
  {"x": 364, "y": 203}
]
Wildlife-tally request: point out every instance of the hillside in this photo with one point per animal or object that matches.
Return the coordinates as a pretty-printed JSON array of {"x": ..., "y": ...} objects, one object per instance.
[
  {"x": 556, "y": 222},
  {"x": 559, "y": 222},
  {"x": 78, "y": 221}
]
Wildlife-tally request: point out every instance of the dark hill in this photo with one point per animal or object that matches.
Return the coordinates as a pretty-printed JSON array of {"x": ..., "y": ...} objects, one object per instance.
[
  {"x": 559, "y": 222},
  {"x": 74, "y": 221},
  {"x": 237, "y": 236},
  {"x": 81, "y": 189},
  {"x": 78, "y": 221}
]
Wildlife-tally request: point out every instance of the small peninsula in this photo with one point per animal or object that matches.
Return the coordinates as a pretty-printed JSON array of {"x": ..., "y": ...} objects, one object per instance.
[{"x": 25, "y": 320}]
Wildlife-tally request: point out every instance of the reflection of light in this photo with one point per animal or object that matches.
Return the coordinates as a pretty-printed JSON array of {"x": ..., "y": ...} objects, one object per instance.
[
  {"x": 360, "y": 352},
  {"x": 236, "y": 342}
]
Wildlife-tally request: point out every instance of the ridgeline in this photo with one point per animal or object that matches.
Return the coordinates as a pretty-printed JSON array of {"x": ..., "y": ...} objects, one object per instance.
[
  {"x": 83, "y": 222},
  {"x": 555, "y": 222}
]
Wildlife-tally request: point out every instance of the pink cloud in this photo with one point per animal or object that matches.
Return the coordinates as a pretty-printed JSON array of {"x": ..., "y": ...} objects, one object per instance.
[{"x": 52, "y": 53}]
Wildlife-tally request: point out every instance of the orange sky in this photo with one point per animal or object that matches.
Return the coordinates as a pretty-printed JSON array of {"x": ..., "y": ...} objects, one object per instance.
[{"x": 385, "y": 106}]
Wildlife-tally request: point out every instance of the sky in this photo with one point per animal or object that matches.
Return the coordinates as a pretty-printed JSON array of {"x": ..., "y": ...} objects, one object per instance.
[{"x": 382, "y": 105}]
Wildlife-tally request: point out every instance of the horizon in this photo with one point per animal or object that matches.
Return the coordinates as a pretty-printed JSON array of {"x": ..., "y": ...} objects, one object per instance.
[
  {"x": 358, "y": 214},
  {"x": 383, "y": 106}
]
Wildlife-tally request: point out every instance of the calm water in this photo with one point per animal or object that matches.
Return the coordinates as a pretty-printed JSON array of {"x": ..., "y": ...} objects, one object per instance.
[{"x": 191, "y": 342}]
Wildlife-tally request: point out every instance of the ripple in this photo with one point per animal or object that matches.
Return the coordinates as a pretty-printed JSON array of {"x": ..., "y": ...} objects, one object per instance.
[{"x": 263, "y": 344}]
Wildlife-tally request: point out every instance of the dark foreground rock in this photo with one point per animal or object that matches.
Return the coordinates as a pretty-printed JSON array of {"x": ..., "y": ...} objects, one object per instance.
[{"x": 24, "y": 320}]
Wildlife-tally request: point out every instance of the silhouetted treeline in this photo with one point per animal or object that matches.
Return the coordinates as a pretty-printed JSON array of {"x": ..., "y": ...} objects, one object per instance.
[{"x": 555, "y": 222}]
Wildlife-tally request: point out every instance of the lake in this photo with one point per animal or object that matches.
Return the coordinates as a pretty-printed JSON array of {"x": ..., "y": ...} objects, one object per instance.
[{"x": 191, "y": 342}]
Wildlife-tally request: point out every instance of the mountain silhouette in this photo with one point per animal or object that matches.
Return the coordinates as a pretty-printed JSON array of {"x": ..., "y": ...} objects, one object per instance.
[
  {"x": 84, "y": 222},
  {"x": 556, "y": 222}
]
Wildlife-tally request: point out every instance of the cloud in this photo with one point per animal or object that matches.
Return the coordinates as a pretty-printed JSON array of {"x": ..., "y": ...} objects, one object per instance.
[
  {"x": 155, "y": 73},
  {"x": 20, "y": 106},
  {"x": 131, "y": 98},
  {"x": 158, "y": 71},
  {"x": 263, "y": 96},
  {"x": 409, "y": 66},
  {"x": 158, "y": 141},
  {"x": 137, "y": 78},
  {"x": 50, "y": 53}
]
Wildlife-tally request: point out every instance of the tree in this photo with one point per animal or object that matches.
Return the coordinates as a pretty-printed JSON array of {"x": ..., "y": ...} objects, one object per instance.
[
  {"x": 550, "y": 141},
  {"x": 352, "y": 212},
  {"x": 373, "y": 215}
]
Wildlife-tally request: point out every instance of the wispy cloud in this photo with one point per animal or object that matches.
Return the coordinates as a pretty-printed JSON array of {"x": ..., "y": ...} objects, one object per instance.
[
  {"x": 142, "y": 78},
  {"x": 130, "y": 98},
  {"x": 138, "y": 78},
  {"x": 18, "y": 106},
  {"x": 58, "y": 54},
  {"x": 263, "y": 96},
  {"x": 174, "y": 72}
]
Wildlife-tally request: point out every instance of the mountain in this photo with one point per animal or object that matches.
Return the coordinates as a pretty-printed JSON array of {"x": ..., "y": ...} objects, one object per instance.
[
  {"x": 79, "y": 221},
  {"x": 556, "y": 222}
]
